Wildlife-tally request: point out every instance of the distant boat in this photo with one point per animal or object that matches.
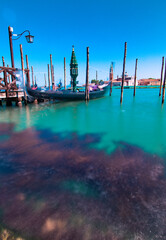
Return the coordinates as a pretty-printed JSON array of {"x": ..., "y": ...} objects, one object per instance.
[{"x": 68, "y": 95}]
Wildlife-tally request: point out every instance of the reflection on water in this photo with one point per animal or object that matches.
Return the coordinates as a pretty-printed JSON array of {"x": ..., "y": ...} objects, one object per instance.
[{"x": 55, "y": 187}]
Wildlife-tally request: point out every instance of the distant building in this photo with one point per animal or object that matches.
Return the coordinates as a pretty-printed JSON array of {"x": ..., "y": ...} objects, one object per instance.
[
  {"x": 149, "y": 82},
  {"x": 129, "y": 81}
]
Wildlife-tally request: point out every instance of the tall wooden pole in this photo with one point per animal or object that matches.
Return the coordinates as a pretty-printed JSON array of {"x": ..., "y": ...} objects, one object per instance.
[
  {"x": 135, "y": 76},
  {"x": 45, "y": 80},
  {"x": 3, "y": 61},
  {"x": 123, "y": 75},
  {"x": 5, "y": 79},
  {"x": 65, "y": 73},
  {"x": 11, "y": 46},
  {"x": 96, "y": 76},
  {"x": 161, "y": 79},
  {"x": 23, "y": 75},
  {"x": 87, "y": 77},
  {"x": 52, "y": 71},
  {"x": 163, "y": 96},
  {"x": 28, "y": 75},
  {"x": 32, "y": 77},
  {"x": 35, "y": 82},
  {"x": 48, "y": 75},
  {"x": 53, "y": 85},
  {"x": 111, "y": 78}
]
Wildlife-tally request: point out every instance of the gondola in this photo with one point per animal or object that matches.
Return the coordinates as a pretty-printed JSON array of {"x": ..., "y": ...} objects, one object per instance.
[{"x": 67, "y": 95}]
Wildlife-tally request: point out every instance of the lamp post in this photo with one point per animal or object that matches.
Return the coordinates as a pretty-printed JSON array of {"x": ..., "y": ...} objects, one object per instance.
[{"x": 28, "y": 37}]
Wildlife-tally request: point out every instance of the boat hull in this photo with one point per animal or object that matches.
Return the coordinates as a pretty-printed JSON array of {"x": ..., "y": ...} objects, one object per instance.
[{"x": 66, "y": 95}]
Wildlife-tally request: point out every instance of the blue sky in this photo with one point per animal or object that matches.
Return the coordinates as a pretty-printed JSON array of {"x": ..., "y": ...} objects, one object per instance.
[{"x": 104, "y": 26}]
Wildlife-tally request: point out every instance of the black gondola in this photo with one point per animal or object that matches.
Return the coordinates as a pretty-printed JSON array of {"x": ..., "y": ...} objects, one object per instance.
[{"x": 67, "y": 95}]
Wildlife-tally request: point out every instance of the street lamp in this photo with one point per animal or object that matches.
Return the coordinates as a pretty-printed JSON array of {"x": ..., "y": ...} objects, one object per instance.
[{"x": 28, "y": 37}]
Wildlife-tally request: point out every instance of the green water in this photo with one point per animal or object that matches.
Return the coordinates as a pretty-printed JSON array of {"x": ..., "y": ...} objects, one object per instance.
[
  {"x": 139, "y": 121},
  {"x": 77, "y": 170}
]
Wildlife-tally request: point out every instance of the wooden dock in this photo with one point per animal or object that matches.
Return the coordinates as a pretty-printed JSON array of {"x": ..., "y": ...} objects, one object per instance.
[
  {"x": 16, "y": 96},
  {"x": 12, "y": 94},
  {"x": 9, "y": 90}
]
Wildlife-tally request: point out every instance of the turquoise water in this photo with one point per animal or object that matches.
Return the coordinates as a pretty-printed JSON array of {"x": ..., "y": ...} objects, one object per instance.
[
  {"x": 139, "y": 121},
  {"x": 87, "y": 171}
]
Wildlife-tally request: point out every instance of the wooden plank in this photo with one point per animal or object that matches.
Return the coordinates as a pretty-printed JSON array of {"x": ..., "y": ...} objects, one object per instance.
[
  {"x": 11, "y": 73},
  {"x": 8, "y": 76},
  {"x": 13, "y": 69},
  {"x": 1, "y": 84},
  {"x": 12, "y": 94}
]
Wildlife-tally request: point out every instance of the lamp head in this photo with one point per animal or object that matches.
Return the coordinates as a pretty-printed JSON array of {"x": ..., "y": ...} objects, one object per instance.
[{"x": 29, "y": 38}]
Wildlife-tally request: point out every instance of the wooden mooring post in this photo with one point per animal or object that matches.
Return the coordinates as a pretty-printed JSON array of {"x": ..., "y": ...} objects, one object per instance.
[
  {"x": 87, "y": 77},
  {"x": 8, "y": 102},
  {"x": 123, "y": 75},
  {"x": 135, "y": 76},
  {"x": 36, "y": 100},
  {"x": 52, "y": 71},
  {"x": 11, "y": 46},
  {"x": 111, "y": 78},
  {"x": 161, "y": 79},
  {"x": 23, "y": 75},
  {"x": 53, "y": 82},
  {"x": 48, "y": 76},
  {"x": 163, "y": 96},
  {"x": 3, "y": 62},
  {"x": 32, "y": 77},
  {"x": 65, "y": 73},
  {"x": 28, "y": 75},
  {"x": 45, "y": 80},
  {"x": 35, "y": 82}
]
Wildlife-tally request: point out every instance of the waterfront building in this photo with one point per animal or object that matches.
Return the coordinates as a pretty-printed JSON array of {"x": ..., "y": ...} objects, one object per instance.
[
  {"x": 149, "y": 82},
  {"x": 129, "y": 80}
]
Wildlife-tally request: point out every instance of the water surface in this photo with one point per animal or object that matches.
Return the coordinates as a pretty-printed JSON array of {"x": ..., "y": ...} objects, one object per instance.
[{"x": 79, "y": 170}]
